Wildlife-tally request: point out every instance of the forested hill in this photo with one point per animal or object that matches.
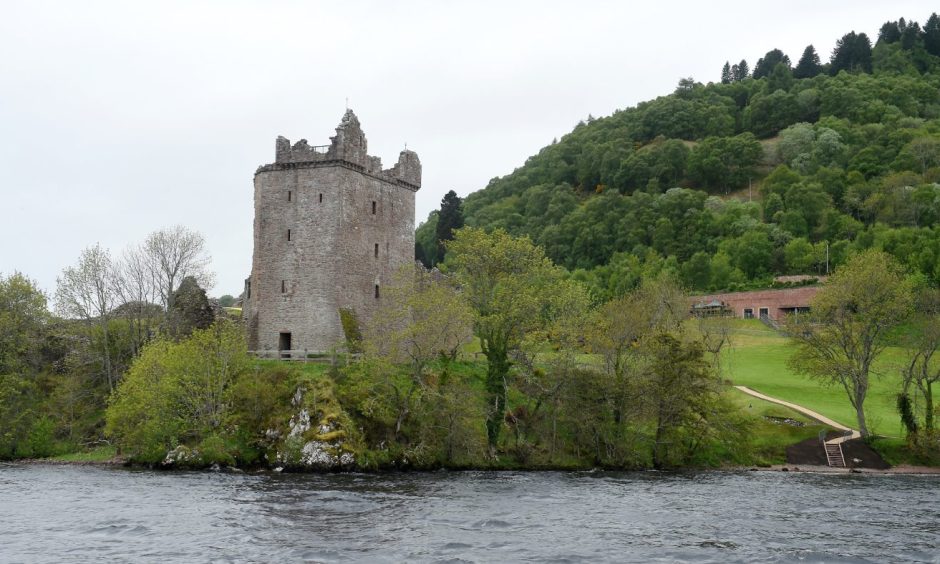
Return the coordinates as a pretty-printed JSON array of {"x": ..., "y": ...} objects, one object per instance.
[{"x": 755, "y": 175}]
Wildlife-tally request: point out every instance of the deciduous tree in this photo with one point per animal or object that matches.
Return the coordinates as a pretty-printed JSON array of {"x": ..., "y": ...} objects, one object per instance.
[
  {"x": 845, "y": 331},
  {"x": 86, "y": 291},
  {"x": 173, "y": 254},
  {"x": 514, "y": 290}
]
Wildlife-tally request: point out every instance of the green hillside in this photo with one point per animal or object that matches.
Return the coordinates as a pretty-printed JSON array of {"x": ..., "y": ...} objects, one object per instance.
[{"x": 732, "y": 182}]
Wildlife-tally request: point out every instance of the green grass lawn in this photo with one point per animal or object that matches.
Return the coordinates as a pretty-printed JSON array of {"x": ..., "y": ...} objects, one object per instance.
[
  {"x": 758, "y": 359},
  {"x": 769, "y": 438}
]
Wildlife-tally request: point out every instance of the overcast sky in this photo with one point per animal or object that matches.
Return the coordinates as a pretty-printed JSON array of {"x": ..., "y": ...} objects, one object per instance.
[{"x": 119, "y": 118}]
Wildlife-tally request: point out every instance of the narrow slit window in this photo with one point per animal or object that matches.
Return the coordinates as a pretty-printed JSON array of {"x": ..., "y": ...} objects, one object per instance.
[
  {"x": 373, "y": 207},
  {"x": 376, "y": 250},
  {"x": 289, "y": 235},
  {"x": 376, "y": 291},
  {"x": 321, "y": 198},
  {"x": 289, "y": 196},
  {"x": 283, "y": 286}
]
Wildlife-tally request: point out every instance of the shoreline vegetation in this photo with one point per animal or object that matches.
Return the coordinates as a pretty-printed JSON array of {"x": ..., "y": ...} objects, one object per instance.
[
  {"x": 501, "y": 362},
  {"x": 550, "y": 327}
]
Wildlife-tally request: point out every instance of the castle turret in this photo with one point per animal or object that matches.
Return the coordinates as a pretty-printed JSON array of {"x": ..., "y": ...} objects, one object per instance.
[{"x": 330, "y": 229}]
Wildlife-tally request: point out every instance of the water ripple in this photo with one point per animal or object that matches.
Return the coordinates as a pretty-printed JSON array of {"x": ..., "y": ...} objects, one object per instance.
[{"x": 88, "y": 514}]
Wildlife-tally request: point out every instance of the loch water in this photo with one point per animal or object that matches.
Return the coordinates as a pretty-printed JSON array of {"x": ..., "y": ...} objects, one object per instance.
[{"x": 93, "y": 514}]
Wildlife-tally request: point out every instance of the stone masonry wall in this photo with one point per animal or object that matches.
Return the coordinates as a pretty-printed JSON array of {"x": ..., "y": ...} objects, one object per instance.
[{"x": 299, "y": 285}]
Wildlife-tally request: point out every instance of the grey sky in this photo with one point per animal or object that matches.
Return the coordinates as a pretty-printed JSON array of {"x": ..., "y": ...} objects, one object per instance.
[{"x": 120, "y": 118}]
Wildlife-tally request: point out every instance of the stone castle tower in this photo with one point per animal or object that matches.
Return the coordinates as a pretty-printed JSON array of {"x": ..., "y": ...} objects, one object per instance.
[{"x": 330, "y": 229}]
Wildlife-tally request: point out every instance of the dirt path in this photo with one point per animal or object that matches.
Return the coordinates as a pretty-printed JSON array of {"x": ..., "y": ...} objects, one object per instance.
[{"x": 807, "y": 412}]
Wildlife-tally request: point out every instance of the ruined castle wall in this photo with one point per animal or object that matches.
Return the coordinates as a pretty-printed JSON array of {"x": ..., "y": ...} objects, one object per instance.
[
  {"x": 330, "y": 260},
  {"x": 330, "y": 226}
]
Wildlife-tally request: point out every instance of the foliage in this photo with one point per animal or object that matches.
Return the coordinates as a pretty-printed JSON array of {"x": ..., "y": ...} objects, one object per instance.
[
  {"x": 421, "y": 319},
  {"x": 922, "y": 369},
  {"x": 449, "y": 220},
  {"x": 844, "y": 334},
  {"x": 852, "y": 139},
  {"x": 514, "y": 291},
  {"x": 177, "y": 393},
  {"x": 23, "y": 316},
  {"x": 352, "y": 330},
  {"x": 809, "y": 65}
]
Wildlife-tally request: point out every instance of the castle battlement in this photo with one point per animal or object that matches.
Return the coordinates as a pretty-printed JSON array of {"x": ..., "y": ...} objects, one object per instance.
[{"x": 348, "y": 147}]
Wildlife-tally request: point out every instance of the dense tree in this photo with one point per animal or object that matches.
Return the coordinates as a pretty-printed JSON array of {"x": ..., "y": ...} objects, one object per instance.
[
  {"x": 740, "y": 71},
  {"x": 680, "y": 389},
  {"x": 932, "y": 35},
  {"x": 845, "y": 332},
  {"x": 514, "y": 291},
  {"x": 726, "y": 76},
  {"x": 809, "y": 64},
  {"x": 449, "y": 220},
  {"x": 724, "y": 163},
  {"x": 178, "y": 393},
  {"x": 889, "y": 33},
  {"x": 910, "y": 36},
  {"x": 23, "y": 317},
  {"x": 922, "y": 370},
  {"x": 421, "y": 319},
  {"x": 780, "y": 78},
  {"x": 765, "y": 65},
  {"x": 852, "y": 53}
]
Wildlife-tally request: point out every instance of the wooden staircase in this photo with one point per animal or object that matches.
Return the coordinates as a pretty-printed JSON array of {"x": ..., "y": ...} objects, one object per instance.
[{"x": 834, "y": 455}]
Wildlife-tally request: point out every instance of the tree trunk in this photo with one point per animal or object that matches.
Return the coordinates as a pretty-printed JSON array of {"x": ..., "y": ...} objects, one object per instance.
[
  {"x": 660, "y": 429},
  {"x": 497, "y": 368},
  {"x": 928, "y": 406},
  {"x": 860, "y": 414}
]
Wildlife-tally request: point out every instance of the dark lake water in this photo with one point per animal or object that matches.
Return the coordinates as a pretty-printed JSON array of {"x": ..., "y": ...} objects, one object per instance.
[{"x": 87, "y": 514}]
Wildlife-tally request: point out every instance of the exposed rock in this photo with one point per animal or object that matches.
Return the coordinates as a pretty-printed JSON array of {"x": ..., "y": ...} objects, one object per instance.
[
  {"x": 181, "y": 455},
  {"x": 299, "y": 424}
]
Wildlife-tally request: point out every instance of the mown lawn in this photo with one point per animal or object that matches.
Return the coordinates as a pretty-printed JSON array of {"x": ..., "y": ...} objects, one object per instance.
[
  {"x": 758, "y": 359},
  {"x": 770, "y": 434}
]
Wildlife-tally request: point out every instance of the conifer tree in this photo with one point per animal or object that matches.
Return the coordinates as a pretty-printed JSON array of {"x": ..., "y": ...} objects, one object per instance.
[
  {"x": 449, "y": 220},
  {"x": 765, "y": 65},
  {"x": 743, "y": 71},
  {"x": 726, "y": 73},
  {"x": 852, "y": 53},
  {"x": 889, "y": 33},
  {"x": 910, "y": 36},
  {"x": 809, "y": 65},
  {"x": 932, "y": 35}
]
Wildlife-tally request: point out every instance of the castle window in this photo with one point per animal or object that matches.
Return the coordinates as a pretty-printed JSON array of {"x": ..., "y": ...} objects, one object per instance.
[
  {"x": 247, "y": 289},
  {"x": 283, "y": 286},
  {"x": 376, "y": 250},
  {"x": 373, "y": 207},
  {"x": 289, "y": 194},
  {"x": 376, "y": 291},
  {"x": 288, "y": 235},
  {"x": 321, "y": 198}
]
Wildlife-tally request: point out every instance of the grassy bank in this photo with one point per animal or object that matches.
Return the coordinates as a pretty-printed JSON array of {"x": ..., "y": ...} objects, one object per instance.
[{"x": 758, "y": 359}]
